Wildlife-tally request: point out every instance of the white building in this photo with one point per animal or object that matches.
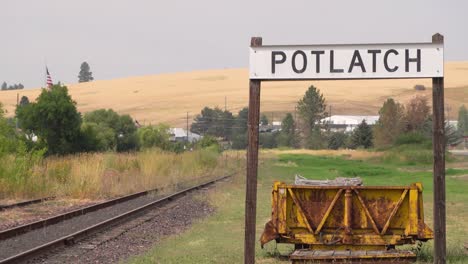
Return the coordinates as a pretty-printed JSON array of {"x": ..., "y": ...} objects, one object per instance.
[
  {"x": 348, "y": 123},
  {"x": 180, "y": 134},
  {"x": 453, "y": 123}
]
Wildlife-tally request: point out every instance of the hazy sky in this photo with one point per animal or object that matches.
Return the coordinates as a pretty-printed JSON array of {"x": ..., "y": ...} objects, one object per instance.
[{"x": 121, "y": 38}]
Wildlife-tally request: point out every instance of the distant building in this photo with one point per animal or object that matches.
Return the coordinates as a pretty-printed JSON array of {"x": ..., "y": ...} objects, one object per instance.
[
  {"x": 347, "y": 123},
  {"x": 453, "y": 123},
  {"x": 276, "y": 123},
  {"x": 270, "y": 128},
  {"x": 180, "y": 134}
]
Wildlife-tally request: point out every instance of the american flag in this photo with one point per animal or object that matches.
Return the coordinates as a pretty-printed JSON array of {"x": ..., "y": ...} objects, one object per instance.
[{"x": 48, "y": 79}]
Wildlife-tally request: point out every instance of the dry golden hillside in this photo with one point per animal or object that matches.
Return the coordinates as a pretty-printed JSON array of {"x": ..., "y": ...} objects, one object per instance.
[{"x": 168, "y": 97}]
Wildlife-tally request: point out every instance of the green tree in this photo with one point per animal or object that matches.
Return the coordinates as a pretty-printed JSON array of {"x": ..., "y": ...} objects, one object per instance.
[
  {"x": 463, "y": 120},
  {"x": 239, "y": 138},
  {"x": 85, "y": 74},
  {"x": 24, "y": 101},
  {"x": 97, "y": 137},
  {"x": 214, "y": 122},
  {"x": 288, "y": 135},
  {"x": 268, "y": 140},
  {"x": 390, "y": 125},
  {"x": 311, "y": 110},
  {"x": 241, "y": 121},
  {"x": 337, "y": 140},
  {"x": 4, "y": 86},
  {"x": 362, "y": 136},
  {"x": 452, "y": 136},
  {"x": 208, "y": 142},
  {"x": 264, "y": 120},
  {"x": 154, "y": 136},
  {"x": 123, "y": 126},
  {"x": 54, "y": 119},
  {"x": 126, "y": 134},
  {"x": 312, "y": 107},
  {"x": 7, "y": 134},
  {"x": 107, "y": 117}
]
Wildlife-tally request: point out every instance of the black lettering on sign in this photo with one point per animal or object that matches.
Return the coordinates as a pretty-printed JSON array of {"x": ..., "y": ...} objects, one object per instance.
[
  {"x": 304, "y": 61},
  {"x": 275, "y": 61},
  {"x": 317, "y": 54},
  {"x": 332, "y": 63},
  {"x": 356, "y": 61},
  {"x": 374, "y": 58},
  {"x": 417, "y": 60},
  {"x": 386, "y": 60}
]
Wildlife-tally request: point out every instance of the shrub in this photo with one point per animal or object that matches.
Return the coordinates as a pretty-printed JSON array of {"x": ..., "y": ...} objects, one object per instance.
[
  {"x": 208, "y": 141},
  {"x": 411, "y": 154},
  {"x": 337, "y": 140},
  {"x": 154, "y": 136},
  {"x": 268, "y": 140},
  {"x": 411, "y": 138}
]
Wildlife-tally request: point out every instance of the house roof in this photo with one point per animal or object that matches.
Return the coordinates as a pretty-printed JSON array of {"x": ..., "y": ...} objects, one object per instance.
[
  {"x": 178, "y": 132},
  {"x": 350, "y": 119}
]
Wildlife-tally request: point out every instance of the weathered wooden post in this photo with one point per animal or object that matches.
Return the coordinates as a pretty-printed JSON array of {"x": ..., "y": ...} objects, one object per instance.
[
  {"x": 438, "y": 128},
  {"x": 252, "y": 165}
]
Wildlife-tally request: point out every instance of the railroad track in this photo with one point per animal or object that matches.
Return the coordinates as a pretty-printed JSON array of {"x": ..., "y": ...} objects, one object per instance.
[
  {"x": 25, "y": 203},
  {"x": 71, "y": 238}
]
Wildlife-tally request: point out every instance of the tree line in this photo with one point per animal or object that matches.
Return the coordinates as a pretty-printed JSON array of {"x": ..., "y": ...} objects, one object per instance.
[
  {"x": 6, "y": 87},
  {"x": 397, "y": 124},
  {"x": 53, "y": 124}
]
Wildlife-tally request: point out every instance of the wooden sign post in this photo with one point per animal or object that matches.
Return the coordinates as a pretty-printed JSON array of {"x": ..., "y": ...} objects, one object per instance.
[
  {"x": 252, "y": 165},
  {"x": 334, "y": 62},
  {"x": 438, "y": 144}
]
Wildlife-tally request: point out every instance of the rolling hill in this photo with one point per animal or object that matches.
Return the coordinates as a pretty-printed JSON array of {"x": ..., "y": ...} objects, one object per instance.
[{"x": 168, "y": 97}]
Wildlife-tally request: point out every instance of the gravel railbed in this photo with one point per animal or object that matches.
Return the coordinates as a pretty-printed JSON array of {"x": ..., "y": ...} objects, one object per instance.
[
  {"x": 18, "y": 216},
  {"x": 18, "y": 244},
  {"x": 135, "y": 237}
]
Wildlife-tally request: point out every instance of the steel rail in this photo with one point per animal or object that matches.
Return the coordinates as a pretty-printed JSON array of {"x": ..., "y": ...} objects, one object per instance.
[
  {"x": 72, "y": 238},
  {"x": 59, "y": 218},
  {"x": 14, "y": 231},
  {"x": 25, "y": 203}
]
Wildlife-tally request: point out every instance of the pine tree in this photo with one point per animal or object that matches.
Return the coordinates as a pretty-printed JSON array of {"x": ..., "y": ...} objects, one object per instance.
[
  {"x": 85, "y": 74},
  {"x": 362, "y": 136},
  {"x": 337, "y": 140},
  {"x": 311, "y": 109},
  {"x": 288, "y": 136},
  {"x": 264, "y": 120},
  {"x": 24, "y": 101}
]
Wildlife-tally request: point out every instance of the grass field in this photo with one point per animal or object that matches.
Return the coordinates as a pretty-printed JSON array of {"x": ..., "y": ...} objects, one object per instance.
[
  {"x": 219, "y": 238},
  {"x": 168, "y": 97},
  {"x": 104, "y": 175}
]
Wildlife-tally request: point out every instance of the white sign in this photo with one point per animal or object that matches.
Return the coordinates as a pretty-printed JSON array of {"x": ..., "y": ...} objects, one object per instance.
[{"x": 361, "y": 61}]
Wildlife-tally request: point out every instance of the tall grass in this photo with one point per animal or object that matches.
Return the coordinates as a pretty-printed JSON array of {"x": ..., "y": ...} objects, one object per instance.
[{"x": 103, "y": 175}]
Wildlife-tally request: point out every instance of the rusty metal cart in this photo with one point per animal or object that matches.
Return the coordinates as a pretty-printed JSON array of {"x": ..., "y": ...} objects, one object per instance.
[{"x": 349, "y": 224}]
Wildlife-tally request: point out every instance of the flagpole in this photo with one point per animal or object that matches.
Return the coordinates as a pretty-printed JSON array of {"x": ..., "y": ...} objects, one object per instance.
[{"x": 45, "y": 72}]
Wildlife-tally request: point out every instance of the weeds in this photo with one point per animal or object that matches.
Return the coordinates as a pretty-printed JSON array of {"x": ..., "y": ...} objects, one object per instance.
[{"x": 101, "y": 175}]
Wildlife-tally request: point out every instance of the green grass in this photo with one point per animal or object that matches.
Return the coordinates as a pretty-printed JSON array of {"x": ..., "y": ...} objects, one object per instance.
[{"x": 219, "y": 238}]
